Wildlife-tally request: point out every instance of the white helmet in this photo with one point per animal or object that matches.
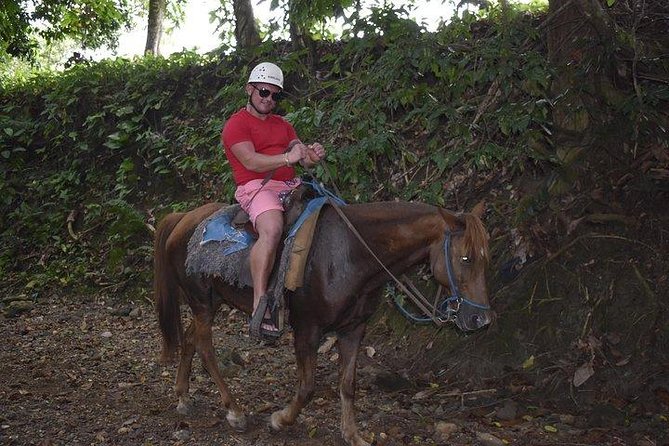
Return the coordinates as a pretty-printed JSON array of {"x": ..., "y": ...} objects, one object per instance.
[{"x": 267, "y": 73}]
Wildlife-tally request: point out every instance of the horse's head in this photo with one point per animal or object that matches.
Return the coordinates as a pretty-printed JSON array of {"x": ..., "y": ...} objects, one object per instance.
[{"x": 458, "y": 261}]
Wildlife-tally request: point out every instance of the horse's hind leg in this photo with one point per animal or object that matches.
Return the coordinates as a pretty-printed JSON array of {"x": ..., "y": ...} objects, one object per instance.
[
  {"x": 205, "y": 348},
  {"x": 306, "y": 347},
  {"x": 183, "y": 372},
  {"x": 348, "y": 344}
]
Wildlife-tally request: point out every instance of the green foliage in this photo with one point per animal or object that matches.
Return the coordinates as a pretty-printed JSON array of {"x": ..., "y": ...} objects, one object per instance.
[
  {"x": 310, "y": 15},
  {"x": 114, "y": 132},
  {"x": 90, "y": 23},
  {"x": 14, "y": 29},
  {"x": 425, "y": 103},
  {"x": 117, "y": 144},
  {"x": 127, "y": 226}
]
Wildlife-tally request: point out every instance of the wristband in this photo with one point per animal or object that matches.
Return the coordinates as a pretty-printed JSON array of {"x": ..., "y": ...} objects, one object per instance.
[{"x": 285, "y": 158}]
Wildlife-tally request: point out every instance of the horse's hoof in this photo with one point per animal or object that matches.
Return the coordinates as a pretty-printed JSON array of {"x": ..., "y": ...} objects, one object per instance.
[
  {"x": 237, "y": 421},
  {"x": 277, "y": 421},
  {"x": 355, "y": 440},
  {"x": 183, "y": 407}
]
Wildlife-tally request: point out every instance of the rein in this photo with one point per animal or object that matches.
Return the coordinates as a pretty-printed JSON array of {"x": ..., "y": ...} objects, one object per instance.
[
  {"x": 418, "y": 299},
  {"x": 445, "y": 312},
  {"x": 438, "y": 313}
]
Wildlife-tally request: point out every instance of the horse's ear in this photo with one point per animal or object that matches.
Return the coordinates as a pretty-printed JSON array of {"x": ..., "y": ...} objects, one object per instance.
[
  {"x": 454, "y": 221},
  {"x": 479, "y": 209}
]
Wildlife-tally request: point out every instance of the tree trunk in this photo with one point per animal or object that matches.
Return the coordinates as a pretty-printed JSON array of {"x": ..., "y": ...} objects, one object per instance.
[
  {"x": 246, "y": 32},
  {"x": 299, "y": 38},
  {"x": 579, "y": 36},
  {"x": 155, "y": 26}
]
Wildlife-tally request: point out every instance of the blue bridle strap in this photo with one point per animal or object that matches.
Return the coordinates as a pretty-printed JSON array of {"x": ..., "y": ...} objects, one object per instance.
[
  {"x": 456, "y": 295},
  {"x": 443, "y": 311}
]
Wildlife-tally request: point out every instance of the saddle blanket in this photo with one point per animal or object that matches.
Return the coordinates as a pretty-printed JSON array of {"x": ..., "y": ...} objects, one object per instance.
[{"x": 219, "y": 249}]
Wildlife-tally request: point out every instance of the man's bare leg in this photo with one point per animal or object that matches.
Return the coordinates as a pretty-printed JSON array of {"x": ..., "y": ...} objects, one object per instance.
[{"x": 269, "y": 225}]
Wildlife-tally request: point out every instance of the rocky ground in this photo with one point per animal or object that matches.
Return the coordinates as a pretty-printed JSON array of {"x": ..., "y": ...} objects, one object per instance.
[{"x": 82, "y": 370}]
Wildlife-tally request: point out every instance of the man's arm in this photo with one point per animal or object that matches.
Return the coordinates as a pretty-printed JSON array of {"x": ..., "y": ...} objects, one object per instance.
[{"x": 257, "y": 162}]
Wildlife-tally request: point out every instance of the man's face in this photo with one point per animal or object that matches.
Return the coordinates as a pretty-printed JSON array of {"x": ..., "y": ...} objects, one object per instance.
[{"x": 263, "y": 96}]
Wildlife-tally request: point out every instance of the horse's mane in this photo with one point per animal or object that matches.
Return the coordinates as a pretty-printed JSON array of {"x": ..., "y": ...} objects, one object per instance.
[
  {"x": 376, "y": 214},
  {"x": 476, "y": 237}
]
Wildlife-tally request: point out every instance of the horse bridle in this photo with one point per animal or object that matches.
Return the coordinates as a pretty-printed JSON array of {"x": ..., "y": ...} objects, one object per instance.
[
  {"x": 446, "y": 311},
  {"x": 456, "y": 296}
]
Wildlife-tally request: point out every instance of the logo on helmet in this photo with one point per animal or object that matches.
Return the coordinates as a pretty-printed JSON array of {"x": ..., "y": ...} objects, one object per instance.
[{"x": 268, "y": 73}]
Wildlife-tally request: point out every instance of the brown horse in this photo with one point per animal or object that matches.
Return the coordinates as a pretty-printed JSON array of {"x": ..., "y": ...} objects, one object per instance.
[{"x": 342, "y": 288}]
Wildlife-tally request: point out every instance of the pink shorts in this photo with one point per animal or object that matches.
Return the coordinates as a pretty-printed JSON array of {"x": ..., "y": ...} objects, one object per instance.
[{"x": 266, "y": 199}]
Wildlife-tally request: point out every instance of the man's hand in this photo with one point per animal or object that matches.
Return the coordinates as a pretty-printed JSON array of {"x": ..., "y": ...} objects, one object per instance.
[
  {"x": 297, "y": 153},
  {"x": 315, "y": 152}
]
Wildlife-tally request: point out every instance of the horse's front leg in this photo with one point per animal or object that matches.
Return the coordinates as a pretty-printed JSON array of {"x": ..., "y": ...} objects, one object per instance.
[
  {"x": 348, "y": 344},
  {"x": 306, "y": 348}
]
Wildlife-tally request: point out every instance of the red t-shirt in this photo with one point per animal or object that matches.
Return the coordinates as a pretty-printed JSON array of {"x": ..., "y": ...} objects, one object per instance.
[{"x": 270, "y": 136}]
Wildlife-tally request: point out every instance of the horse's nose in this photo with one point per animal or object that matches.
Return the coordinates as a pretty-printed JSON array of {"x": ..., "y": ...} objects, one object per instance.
[{"x": 479, "y": 320}]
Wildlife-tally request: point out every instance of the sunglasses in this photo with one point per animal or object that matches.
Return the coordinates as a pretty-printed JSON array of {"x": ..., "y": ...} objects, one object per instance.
[{"x": 263, "y": 93}]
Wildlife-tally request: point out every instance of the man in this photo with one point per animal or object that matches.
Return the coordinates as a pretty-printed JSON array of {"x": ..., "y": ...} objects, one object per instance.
[{"x": 261, "y": 145}]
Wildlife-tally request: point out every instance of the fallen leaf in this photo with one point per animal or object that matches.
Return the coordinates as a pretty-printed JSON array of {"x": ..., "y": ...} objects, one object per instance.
[
  {"x": 424, "y": 394},
  {"x": 265, "y": 407},
  {"x": 445, "y": 429},
  {"x": 131, "y": 420},
  {"x": 488, "y": 439},
  {"x": 583, "y": 373},
  {"x": 529, "y": 363},
  {"x": 624, "y": 361}
]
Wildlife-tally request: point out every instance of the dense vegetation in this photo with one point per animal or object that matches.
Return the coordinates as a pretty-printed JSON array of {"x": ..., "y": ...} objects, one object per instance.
[
  {"x": 118, "y": 141},
  {"x": 91, "y": 158}
]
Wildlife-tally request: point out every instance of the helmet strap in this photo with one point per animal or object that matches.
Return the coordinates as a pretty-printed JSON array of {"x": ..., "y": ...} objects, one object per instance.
[{"x": 250, "y": 101}]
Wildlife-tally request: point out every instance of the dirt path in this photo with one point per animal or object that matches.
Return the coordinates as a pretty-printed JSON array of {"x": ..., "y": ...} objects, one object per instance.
[{"x": 87, "y": 374}]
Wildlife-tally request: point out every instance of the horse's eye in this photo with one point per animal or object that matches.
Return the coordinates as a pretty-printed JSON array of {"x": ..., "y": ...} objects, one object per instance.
[{"x": 465, "y": 259}]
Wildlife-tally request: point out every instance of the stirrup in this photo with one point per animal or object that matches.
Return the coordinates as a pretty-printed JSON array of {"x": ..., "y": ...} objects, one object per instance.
[{"x": 258, "y": 319}]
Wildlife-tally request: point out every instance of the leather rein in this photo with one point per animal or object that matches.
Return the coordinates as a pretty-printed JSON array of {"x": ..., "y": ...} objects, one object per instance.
[{"x": 438, "y": 313}]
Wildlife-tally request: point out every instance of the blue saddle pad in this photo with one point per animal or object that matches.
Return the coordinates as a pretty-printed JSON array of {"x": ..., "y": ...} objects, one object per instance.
[{"x": 219, "y": 229}]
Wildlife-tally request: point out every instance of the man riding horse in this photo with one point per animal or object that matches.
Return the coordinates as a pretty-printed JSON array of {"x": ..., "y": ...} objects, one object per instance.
[
  {"x": 262, "y": 147},
  {"x": 356, "y": 250}
]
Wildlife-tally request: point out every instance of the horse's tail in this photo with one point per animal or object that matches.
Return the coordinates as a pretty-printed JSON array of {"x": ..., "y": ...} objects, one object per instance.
[{"x": 166, "y": 290}]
